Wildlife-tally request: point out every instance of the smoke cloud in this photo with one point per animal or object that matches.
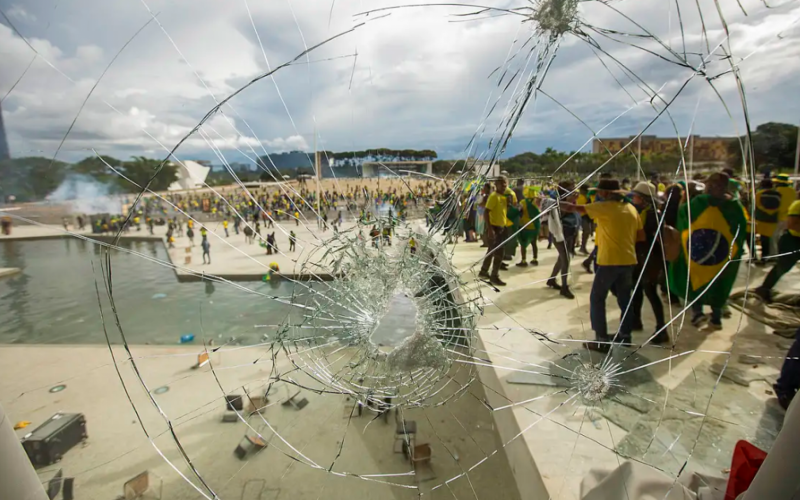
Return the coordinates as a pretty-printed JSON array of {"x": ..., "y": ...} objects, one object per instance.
[{"x": 86, "y": 195}]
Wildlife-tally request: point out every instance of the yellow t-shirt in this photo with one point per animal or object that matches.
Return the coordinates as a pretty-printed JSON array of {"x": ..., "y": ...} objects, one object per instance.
[
  {"x": 497, "y": 205},
  {"x": 582, "y": 199},
  {"x": 618, "y": 223},
  {"x": 788, "y": 196}
]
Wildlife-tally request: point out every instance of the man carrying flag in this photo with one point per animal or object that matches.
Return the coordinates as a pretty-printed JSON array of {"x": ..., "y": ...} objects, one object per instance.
[{"x": 712, "y": 243}]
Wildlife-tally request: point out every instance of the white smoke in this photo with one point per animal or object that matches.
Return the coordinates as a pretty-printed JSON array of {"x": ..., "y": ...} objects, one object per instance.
[{"x": 86, "y": 195}]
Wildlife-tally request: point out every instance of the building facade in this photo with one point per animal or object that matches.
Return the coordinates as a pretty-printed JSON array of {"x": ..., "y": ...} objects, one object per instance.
[{"x": 701, "y": 149}]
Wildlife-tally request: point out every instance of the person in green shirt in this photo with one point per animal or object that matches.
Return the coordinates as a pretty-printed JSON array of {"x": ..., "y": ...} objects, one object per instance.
[
  {"x": 712, "y": 242},
  {"x": 497, "y": 223}
]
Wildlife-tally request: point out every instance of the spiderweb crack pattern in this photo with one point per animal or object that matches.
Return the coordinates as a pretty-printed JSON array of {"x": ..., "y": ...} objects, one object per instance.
[{"x": 462, "y": 330}]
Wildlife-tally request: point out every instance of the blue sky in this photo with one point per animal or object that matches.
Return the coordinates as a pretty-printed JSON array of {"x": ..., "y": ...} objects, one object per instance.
[{"x": 421, "y": 78}]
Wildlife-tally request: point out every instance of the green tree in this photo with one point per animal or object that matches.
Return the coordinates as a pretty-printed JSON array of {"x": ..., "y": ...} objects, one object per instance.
[
  {"x": 141, "y": 169},
  {"x": 95, "y": 167},
  {"x": 773, "y": 145},
  {"x": 31, "y": 178}
]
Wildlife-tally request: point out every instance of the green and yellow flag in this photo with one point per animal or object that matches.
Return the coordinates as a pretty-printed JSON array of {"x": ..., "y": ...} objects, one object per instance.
[
  {"x": 718, "y": 232},
  {"x": 530, "y": 212},
  {"x": 768, "y": 204}
]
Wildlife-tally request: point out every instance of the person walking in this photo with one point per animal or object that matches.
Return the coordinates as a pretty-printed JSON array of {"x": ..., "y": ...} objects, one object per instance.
[
  {"x": 292, "y": 241},
  {"x": 619, "y": 227},
  {"x": 496, "y": 217},
  {"x": 551, "y": 207},
  {"x": 587, "y": 225},
  {"x": 190, "y": 235},
  {"x": 788, "y": 253},
  {"x": 206, "y": 246},
  {"x": 225, "y": 227},
  {"x": 649, "y": 263},
  {"x": 767, "y": 213},
  {"x": 716, "y": 231},
  {"x": 531, "y": 225}
]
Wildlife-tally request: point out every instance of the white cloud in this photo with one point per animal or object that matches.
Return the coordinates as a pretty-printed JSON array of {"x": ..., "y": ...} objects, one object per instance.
[
  {"x": 18, "y": 13},
  {"x": 419, "y": 80}
]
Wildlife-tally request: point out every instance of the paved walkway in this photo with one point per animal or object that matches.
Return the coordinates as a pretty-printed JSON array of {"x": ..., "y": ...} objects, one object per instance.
[
  {"x": 693, "y": 415},
  {"x": 566, "y": 442}
]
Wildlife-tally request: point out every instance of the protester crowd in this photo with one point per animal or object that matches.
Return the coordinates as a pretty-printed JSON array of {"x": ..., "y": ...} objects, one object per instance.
[{"x": 643, "y": 245}]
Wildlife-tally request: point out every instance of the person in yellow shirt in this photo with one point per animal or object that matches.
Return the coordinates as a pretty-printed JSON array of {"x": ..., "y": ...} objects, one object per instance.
[
  {"x": 767, "y": 213},
  {"x": 783, "y": 185},
  {"x": 788, "y": 253},
  {"x": 225, "y": 227},
  {"x": 496, "y": 217},
  {"x": 619, "y": 227}
]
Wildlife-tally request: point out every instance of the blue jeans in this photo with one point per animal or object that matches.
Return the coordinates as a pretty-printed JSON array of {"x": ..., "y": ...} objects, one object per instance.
[
  {"x": 621, "y": 279},
  {"x": 789, "y": 380}
]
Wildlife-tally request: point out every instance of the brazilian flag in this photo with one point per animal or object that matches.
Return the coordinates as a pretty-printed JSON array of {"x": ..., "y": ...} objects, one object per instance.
[
  {"x": 530, "y": 232},
  {"x": 718, "y": 232},
  {"x": 768, "y": 204}
]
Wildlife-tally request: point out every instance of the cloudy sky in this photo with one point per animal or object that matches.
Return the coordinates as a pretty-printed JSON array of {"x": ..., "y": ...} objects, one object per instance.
[{"x": 421, "y": 78}]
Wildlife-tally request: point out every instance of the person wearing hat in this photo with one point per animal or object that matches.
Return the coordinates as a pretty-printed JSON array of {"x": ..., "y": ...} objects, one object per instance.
[
  {"x": 788, "y": 253},
  {"x": 619, "y": 227},
  {"x": 650, "y": 260},
  {"x": 783, "y": 185},
  {"x": 713, "y": 228},
  {"x": 496, "y": 217}
]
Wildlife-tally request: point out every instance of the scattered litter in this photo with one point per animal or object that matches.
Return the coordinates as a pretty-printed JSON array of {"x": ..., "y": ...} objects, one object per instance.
[
  {"x": 161, "y": 390},
  {"x": 21, "y": 425},
  {"x": 187, "y": 338},
  {"x": 58, "y": 388},
  {"x": 158, "y": 296}
]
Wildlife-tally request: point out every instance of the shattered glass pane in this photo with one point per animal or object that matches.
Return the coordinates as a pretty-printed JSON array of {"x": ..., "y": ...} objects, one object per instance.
[{"x": 331, "y": 335}]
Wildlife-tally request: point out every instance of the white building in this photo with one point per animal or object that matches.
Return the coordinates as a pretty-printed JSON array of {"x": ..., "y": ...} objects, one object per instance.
[{"x": 191, "y": 175}]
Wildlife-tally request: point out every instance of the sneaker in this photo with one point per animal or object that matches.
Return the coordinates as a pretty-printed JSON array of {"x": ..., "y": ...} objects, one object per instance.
[
  {"x": 637, "y": 327},
  {"x": 583, "y": 251},
  {"x": 508, "y": 257},
  {"x": 698, "y": 320},
  {"x": 587, "y": 265},
  {"x": 496, "y": 281},
  {"x": 661, "y": 338},
  {"x": 764, "y": 294},
  {"x": 783, "y": 398},
  {"x": 713, "y": 327},
  {"x": 504, "y": 266},
  {"x": 534, "y": 262},
  {"x": 565, "y": 292},
  {"x": 552, "y": 284},
  {"x": 484, "y": 274},
  {"x": 522, "y": 264}
]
